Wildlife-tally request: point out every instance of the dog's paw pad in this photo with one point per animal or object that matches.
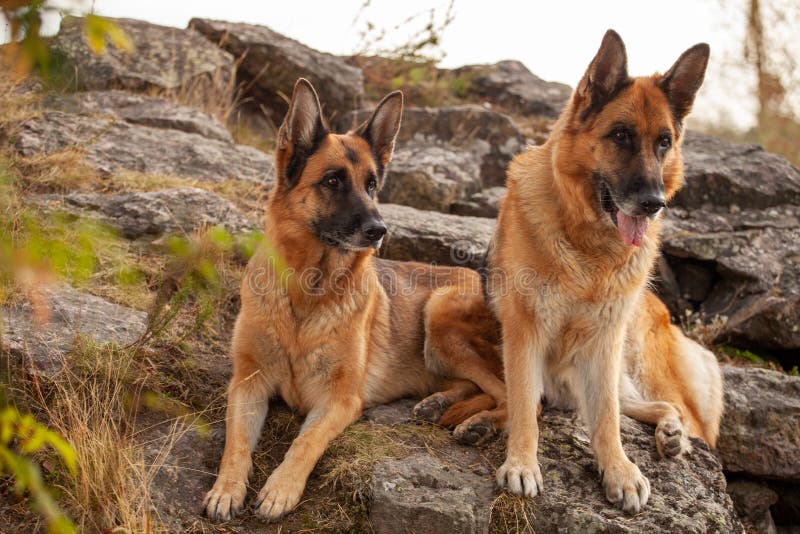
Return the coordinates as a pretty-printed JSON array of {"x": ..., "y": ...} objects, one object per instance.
[
  {"x": 671, "y": 438},
  {"x": 473, "y": 433},
  {"x": 431, "y": 408}
]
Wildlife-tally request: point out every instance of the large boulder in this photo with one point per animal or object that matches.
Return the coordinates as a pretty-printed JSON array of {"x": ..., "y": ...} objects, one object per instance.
[
  {"x": 112, "y": 145},
  {"x": 42, "y": 335},
  {"x": 431, "y": 237},
  {"x": 430, "y": 177},
  {"x": 510, "y": 85},
  {"x": 155, "y": 213},
  {"x": 731, "y": 245},
  {"x": 157, "y": 112},
  {"x": 760, "y": 432},
  {"x": 484, "y": 203},
  {"x": 269, "y": 64},
  {"x": 490, "y": 136},
  {"x": 168, "y": 60}
]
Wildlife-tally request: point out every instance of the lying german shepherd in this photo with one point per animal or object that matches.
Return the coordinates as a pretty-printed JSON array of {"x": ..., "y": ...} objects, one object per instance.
[
  {"x": 583, "y": 213},
  {"x": 327, "y": 326}
]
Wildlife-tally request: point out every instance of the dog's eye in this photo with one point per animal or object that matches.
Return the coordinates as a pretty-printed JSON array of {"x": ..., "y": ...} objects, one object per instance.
[
  {"x": 331, "y": 180},
  {"x": 621, "y": 136},
  {"x": 372, "y": 185},
  {"x": 664, "y": 142}
]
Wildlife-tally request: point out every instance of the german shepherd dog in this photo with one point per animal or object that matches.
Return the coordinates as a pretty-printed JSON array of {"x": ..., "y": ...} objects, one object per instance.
[
  {"x": 583, "y": 213},
  {"x": 329, "y": 327}
]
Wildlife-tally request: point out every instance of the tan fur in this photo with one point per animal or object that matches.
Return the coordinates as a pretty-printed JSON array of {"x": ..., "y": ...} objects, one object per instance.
[
  {"x": 585, "y": 332},
  {"x": 339, "y": 341}
]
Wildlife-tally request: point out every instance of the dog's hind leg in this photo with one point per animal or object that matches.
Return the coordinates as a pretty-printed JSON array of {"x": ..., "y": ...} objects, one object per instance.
[
  {"x": 432, "y": 407},
  {"x": 482, "y": 425},
  {"x": 672, "y": 438},
  {"x": 461, "y": 338}
]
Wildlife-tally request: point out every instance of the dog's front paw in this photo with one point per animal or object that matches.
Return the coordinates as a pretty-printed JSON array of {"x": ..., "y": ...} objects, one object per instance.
[
  {"x": 626, "y": 486},
  {"x": 280, "y": 495},
  {"x": 520, "y": 478},
  {"x": 225, "y": 499},
  {"x": 432, "y": 407},
  {"x": 671, "y": 438}
]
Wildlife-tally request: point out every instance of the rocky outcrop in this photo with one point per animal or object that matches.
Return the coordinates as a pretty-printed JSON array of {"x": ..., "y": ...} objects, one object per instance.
[
  {"x": 731, "y": 243},
  {"x": 42, "y": 336},
  {"x": 512, "y": 87},
  {"x": 179, "y": 210},
  {"x": 484, "y": 203},
  {"x": 432, "y": 237},
  {"x": 491, "y": 137},
  {"x": 157, "y": 112},
  {"x": 111, "y": 145},
  {"x": 270, "y": 64},
  {"x": 454, "y": 492},
  {"x": 430, "y": 177},
  {"x": 752, "y": 501},
  {"x": 168, "y": 60},
  {"x": 760, "y": 432}
]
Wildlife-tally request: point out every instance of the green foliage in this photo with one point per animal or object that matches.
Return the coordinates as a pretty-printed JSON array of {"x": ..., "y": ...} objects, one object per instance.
[
  {"x": 742, "y": 354},
  {"x": 20, "y": 438}
]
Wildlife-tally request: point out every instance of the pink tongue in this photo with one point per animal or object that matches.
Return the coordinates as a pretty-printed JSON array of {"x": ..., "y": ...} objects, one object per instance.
[{"x": 631, "y": 228}]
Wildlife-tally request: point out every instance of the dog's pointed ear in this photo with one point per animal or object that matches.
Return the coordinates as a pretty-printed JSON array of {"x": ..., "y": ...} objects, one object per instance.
[
  {"x": 302, "y": 130},
  {"x": 684, "y": 78},
  {"x": 607, "y": 73},
  {"x": 380, "y": 130}
]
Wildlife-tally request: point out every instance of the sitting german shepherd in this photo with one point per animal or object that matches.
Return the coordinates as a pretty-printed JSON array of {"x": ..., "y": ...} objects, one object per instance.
[
  {"x": 327, "y": 326},
  {"x": 583, "y": 212}
]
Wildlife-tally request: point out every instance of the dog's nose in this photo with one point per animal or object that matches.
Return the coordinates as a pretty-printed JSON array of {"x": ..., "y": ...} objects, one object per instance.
[
  {"x": 650, "y": 204},
  {"x": 374, "y": 230}
]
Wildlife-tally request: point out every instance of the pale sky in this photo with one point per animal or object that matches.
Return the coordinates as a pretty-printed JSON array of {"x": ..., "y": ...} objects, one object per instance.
[{"x": 554, "y": 39}]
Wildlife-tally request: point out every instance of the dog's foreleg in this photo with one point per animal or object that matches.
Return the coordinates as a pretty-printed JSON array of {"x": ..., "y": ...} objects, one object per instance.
[
  {"x": 597, "y": 389},
  {"x": 523, "y": 355},
  {"x": 248, "y": 398},
  {"x": 285, "y": 485}
]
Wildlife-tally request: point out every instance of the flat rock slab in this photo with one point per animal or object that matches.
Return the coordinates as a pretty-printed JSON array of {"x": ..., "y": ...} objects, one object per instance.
[
  {"x": 422, "y": 493},
  {"x": 432, "y": 237},
  {"x": 271, "y": 63},
  {"x": 724, "y": 173},
  {"x": 42, "y": 348},
  {"x": 157, "y": 112},
  {"x": 510, "y": 85},
  {"x": 166, "y": 59},
  {"x": 760, "y": 432},
  {"x": 112, "y": 145},
  {"x": 179, "y": 210}
]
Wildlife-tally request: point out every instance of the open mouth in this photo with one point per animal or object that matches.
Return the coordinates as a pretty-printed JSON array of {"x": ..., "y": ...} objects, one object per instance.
[{"x": 631, "y": 228}]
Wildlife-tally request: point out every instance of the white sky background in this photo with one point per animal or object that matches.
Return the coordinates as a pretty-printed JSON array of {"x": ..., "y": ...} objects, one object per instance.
[{"x": 555, "y": 39}]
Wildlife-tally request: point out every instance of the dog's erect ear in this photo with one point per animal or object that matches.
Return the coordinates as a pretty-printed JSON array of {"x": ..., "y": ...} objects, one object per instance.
[
  {"x": 682, "y": 81},
  {"x": 302, "y": 130},
  {"x": 380, "y": 130},
  {"x": 606, "y": 75}
]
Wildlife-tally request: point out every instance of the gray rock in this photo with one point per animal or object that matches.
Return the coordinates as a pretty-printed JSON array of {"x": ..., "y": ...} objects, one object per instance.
[
  {"x": 722, "y": 173},
  {"x": 115, "y": 145},
  {"x": 430, "y": 177},
  {"x": 391, "y": 414},
  {"x": 178, "y": 210},
  {"x": 485, "y": 203},
  {"x": 752, "y": 501},
  {"x": 167, "y": 60},
  {"x": 760, "y": 432},
  {"x": 433, "y": 237},
  {"x": 42, "y": 348},
  {"x": 271, "y": 63},
  {"x": 423, "y": 494},
  {"x": 488, "y": 135},
  {"x": 134, "y": 108},
  {"x": 740, "y": 265},
  {"x": 510, "y": 85}
]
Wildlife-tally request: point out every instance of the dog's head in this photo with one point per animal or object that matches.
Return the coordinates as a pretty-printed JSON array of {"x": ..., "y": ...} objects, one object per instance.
[
  {"x": 622, "y": 136},
  {"x": 327, "y": 183}
]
